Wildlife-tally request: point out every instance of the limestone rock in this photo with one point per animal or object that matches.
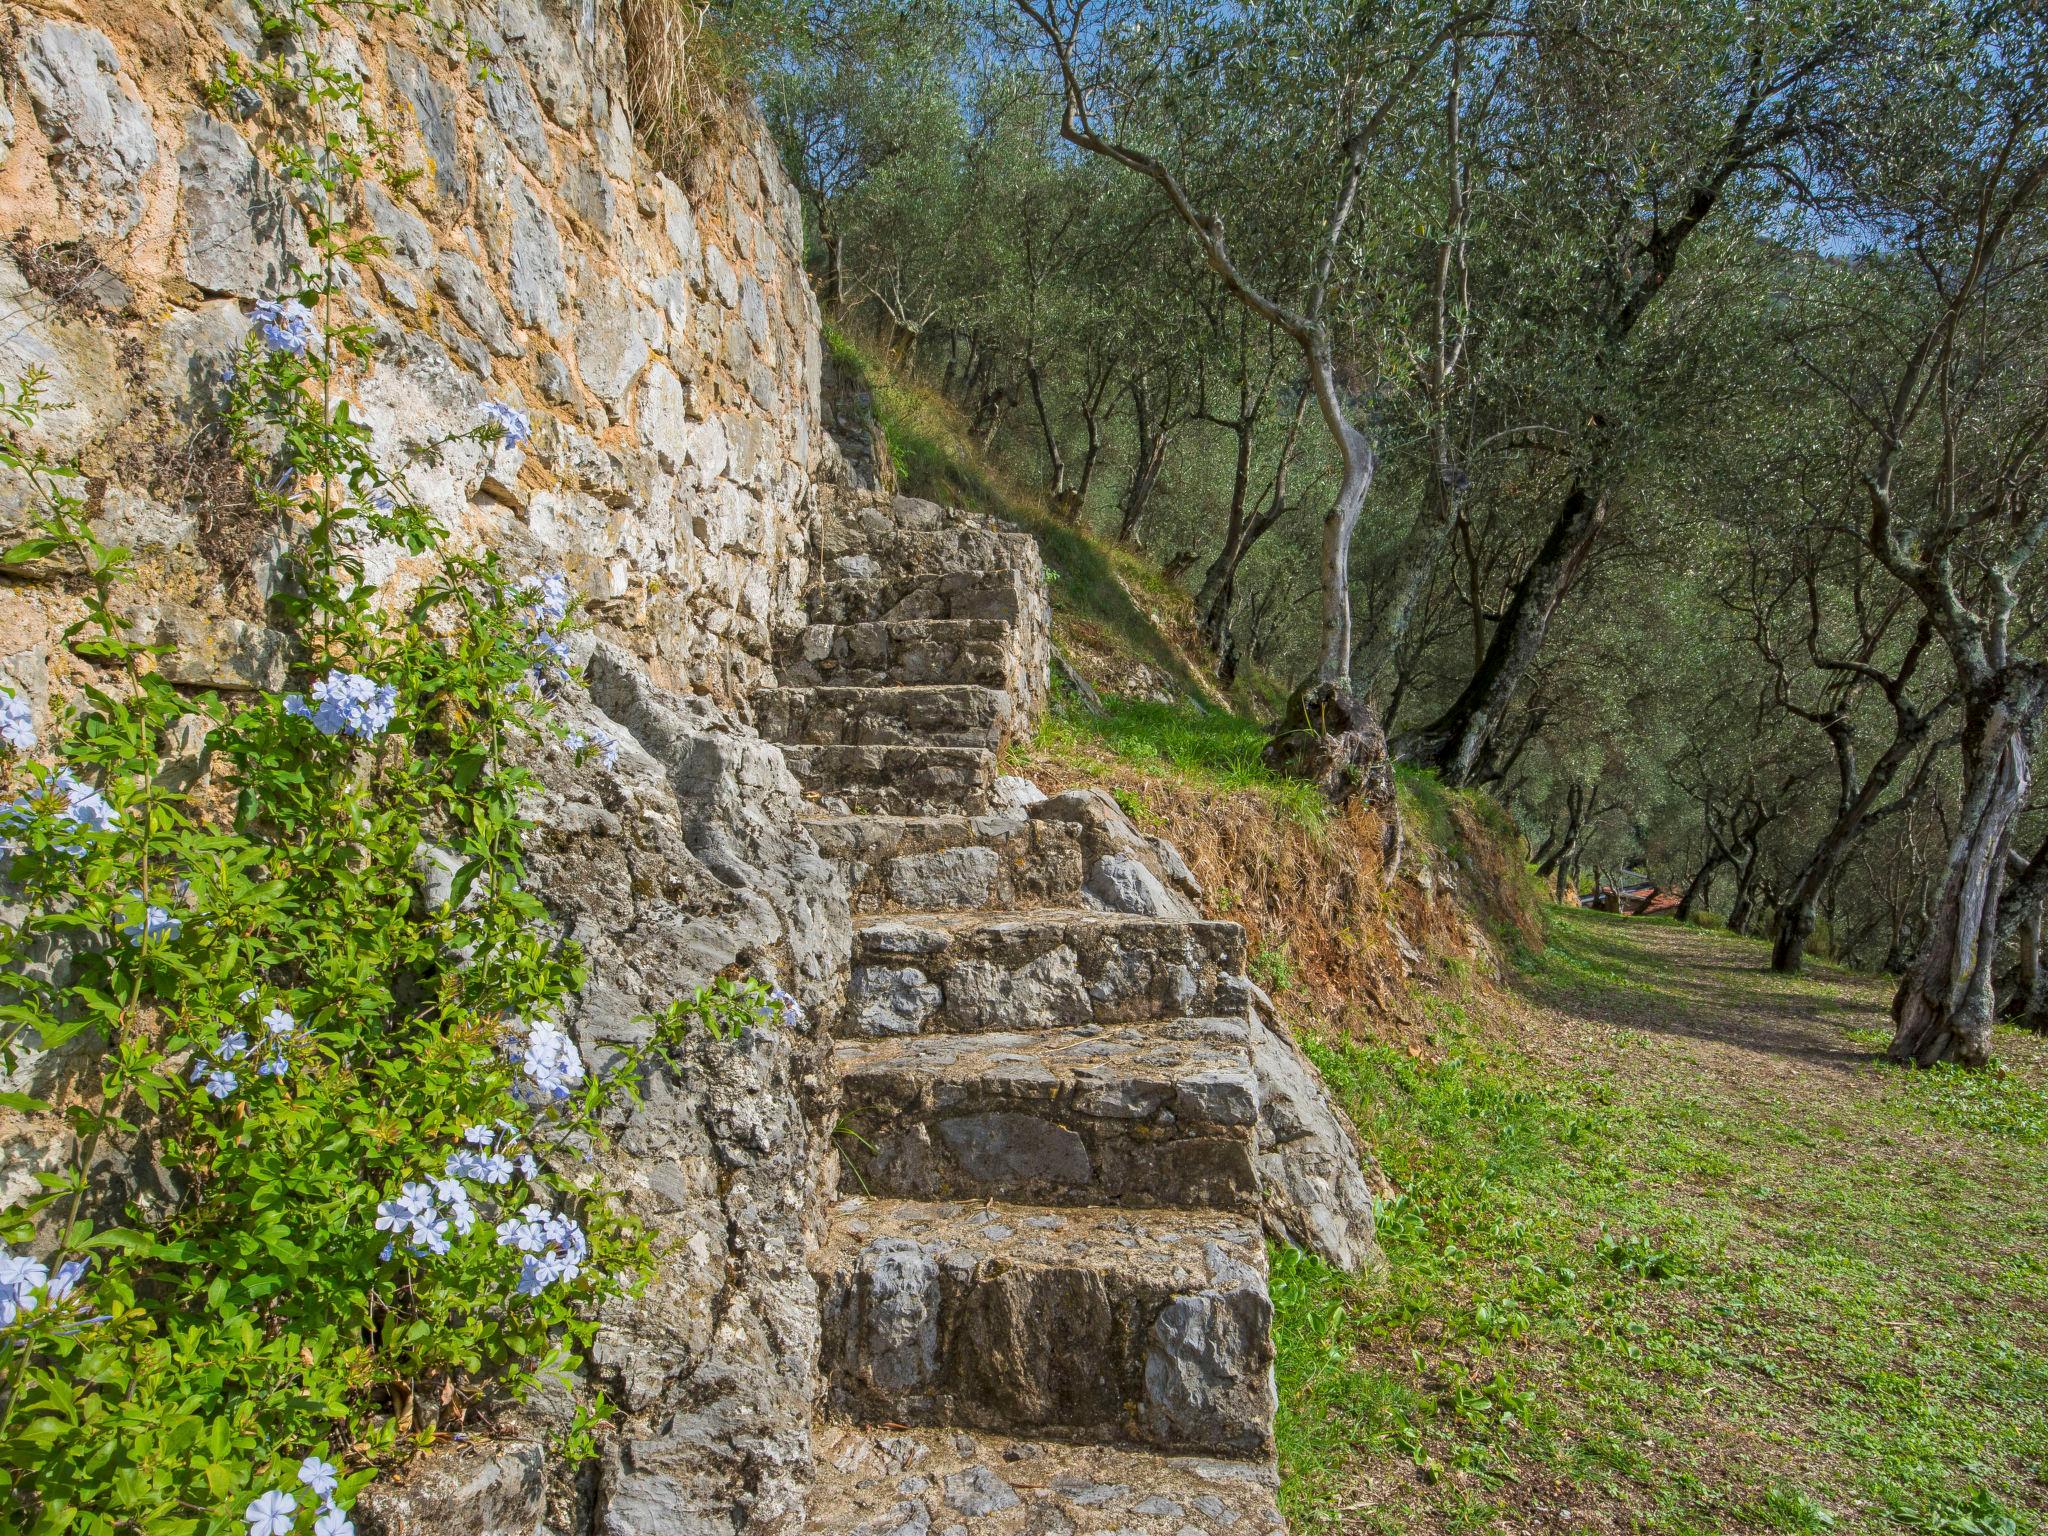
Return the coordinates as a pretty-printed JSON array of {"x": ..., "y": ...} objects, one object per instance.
[
  {"x": 242, "y": 234},
  {"x": 102, "y": 136},
  {"x": 1310, "y": 1162},
  {"x": 434, "y": 118},
  {"x": 212, "y": 652},
  {"x": 491, "y": 1489}
]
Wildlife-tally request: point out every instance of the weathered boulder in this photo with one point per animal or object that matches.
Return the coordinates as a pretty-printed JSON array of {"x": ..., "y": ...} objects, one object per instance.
[
  {"x": 102, "y": 136},
  {"x": 1311, "y": 1167}
]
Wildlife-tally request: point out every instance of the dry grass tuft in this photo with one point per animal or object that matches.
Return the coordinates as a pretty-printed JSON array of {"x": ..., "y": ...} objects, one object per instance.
[{"x": 683, "y": 83}]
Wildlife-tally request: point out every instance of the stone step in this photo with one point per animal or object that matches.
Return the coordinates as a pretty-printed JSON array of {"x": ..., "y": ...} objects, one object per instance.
[
  {"x": 1161, "y": 1114},
  {"x": 895, "y": 780},
  {"x": 981, "y": 653},
  {"x": 976, "y": 594},
  {"x": 1144, "y": 1327},
  {"x": 921, "y": 973},
  {"x": 939, "y": 715},
  {"x": 938, "y": 863},
  {"x": 865, "y": 522},
  {"x": 953, "y": 549},
  {"x": 942, "y": 1482}
]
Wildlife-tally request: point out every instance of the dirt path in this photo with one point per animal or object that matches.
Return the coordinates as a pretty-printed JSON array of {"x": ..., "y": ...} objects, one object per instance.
[{"x": 1678, "y": 1252}]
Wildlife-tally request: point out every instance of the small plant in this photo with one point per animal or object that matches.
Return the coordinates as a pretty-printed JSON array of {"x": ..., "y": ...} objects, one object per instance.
[
  {"x": 726, "y": 1007},
  {"x": 1976, "y": 1513},
  {"x": 1639, "y": 1258},
  {"x": 1792, "y": 1509},
  {"x": 1272, "y": 967}
]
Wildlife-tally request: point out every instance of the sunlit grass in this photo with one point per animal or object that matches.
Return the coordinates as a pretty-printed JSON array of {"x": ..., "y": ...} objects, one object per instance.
[{"x": 1669, "y": 1300}]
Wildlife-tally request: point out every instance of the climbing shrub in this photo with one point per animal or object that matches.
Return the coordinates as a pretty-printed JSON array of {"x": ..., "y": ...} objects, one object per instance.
[{"x": 329, "y": 1170}]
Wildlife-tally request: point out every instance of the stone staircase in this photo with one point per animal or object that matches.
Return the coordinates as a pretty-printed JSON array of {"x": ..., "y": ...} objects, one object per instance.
[{"x": 1043, "y": 1290}]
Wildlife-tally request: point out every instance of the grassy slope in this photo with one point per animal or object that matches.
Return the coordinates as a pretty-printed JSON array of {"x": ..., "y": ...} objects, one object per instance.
[
  {"x": 1675, "y": 1253},
  {"x": 1116, "y": 618}
]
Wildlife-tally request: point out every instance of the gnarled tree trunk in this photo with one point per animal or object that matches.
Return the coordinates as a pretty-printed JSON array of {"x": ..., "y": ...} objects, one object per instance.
[{"x": 1945, "y": 1003}]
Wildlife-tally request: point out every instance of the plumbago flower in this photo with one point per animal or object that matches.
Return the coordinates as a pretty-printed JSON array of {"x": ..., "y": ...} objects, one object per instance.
[
  {"x": 553, "y": 1247},
  {"x": 27, "y": 1283},
  {"x": 548, "y": 1061},
  {"x": 286, "y": 326},
  {"x": 17, "y": 722},
  {"x": 67, "y": 798},
  {"x": 488, "y": 1157},
  {"x": 155, "y": 923},
  {"x": 600, "y": 742},
  {"x": 345, "y": 704},
  {"x": 271, "y": 1514},
  {"x": 510, "y": 422}
]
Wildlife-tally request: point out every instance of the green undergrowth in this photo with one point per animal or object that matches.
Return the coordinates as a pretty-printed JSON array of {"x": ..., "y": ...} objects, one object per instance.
[
  {"x": 1207, "y": 747},
  {"x": 1675, "y": 1253}
]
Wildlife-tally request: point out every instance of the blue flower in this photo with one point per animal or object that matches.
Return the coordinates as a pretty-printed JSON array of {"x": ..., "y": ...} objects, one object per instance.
[
  {"x": 215, "y": 1082},
  {"x": 784, "y": 1006},
  {"x": 17, "y": 722},
  {"x": 82, "y": 805},
  {"x": 418, "y": 1214},
  {"x": 548, "y": 1060},
  {"x": 553, "y": 661},
  {"x": 276, "y": 1066},
  {"x": 346, "y": 705},
  {"x": 21, "y": 1277},
  {"x": 155, "y": 923},
  {"x": 285, "y": 325},
  {"x": 512, "y": 423},
  {"x": 232, "y": 1045},
  {"x": 320, "y": 1476},
  {"x": 271, "y": 1514},
  {"x": 553, "y": 1247},
  {"x": 278, "y": 1022},
  {"x": 333, "y": 1522},
  {"x": 66, "y": 1279}
]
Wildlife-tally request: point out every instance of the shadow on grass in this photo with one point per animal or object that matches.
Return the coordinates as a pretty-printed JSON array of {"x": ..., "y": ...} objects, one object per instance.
[{"x": 1609, "y": 968}]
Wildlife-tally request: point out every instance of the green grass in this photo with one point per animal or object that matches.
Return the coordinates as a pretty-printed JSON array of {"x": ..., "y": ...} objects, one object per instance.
[
  {"x": 1210, "y": 747},
  {"x": 1644, "y": 1272}
]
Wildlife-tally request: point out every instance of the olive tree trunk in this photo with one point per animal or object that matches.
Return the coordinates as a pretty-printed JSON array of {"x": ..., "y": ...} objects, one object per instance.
[{"x": 1946, "y": 1003}]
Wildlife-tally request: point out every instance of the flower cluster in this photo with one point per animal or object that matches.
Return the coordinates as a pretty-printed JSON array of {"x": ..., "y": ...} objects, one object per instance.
[
  {"x": 82, "y": 805},
  {"x": 275, "y": 1512},
  {"x": 600, "y": 742},
  {"x": 17, "y": 722},
  {"x": 548, "y": 1060},
  {"x": 488, "y": 1158},
  {"x": 423, "y": 1212},
  {"x": 782, "y": 1008},
  {"x": 286, "y": 325},
  {"x": 218, "y": 1081},
  {"x": 26, "y": 1282},
  {"x": 553, "y": 1246},
  {"x": 551, "y": 595},
  {"x": 345, "y": 704},
  {"x": 510, "y": 422}
]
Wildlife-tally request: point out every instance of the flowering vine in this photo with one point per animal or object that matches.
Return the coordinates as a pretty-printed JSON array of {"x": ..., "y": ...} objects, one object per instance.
[{"x": 355, "y": 1098}]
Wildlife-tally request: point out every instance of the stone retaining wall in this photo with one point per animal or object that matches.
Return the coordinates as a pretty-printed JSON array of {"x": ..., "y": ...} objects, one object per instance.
[{"x": 663, "y": 339}]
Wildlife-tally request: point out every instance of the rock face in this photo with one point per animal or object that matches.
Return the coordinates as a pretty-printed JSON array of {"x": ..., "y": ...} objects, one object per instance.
[
  {"x": 664, "y": 341},
  {"x": 665, "y": 344}
]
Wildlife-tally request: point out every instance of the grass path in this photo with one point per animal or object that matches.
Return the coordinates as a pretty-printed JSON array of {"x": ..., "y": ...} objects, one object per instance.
[{"x": 1676, "y": 1252}]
